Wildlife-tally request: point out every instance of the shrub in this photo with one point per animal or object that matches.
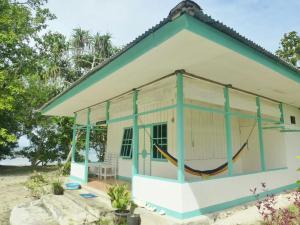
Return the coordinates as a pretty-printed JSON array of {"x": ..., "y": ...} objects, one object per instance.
[
  {"x": 66, "y": 168},
  {"x": 57, "y": 188},
  {"x": 119, "y": 196},
  {"x": 36, "y": 184},
  {"x": 273, "y": 216}
]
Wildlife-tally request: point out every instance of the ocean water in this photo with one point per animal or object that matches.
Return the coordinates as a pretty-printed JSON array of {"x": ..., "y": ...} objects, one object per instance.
[
  {"x": 15, "y": 162},
  {"x": 24, "y": 162}
]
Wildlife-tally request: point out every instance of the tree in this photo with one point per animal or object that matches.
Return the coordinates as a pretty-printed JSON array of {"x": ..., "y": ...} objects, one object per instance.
[
  {"x": 35, "y": 68},
  {"x": 20, "y": 25},
  {"x": 289, "y": 49}
]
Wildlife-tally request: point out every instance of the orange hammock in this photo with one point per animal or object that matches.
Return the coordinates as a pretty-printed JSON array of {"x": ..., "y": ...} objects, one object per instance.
[{"x": 195, "y": 172}]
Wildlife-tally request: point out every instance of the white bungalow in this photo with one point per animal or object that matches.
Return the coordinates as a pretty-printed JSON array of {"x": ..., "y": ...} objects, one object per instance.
[{"x": 197, "y": 114}]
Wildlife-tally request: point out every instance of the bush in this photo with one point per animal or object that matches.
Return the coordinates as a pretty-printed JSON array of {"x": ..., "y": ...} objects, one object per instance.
[
  {"x": 273, "y": 216},
  {"x": 36, "y": 184},
  {"x": 119, "y": 196},
  {"x": 57, "y": 188},
  {"x": 66, "y": 168}
]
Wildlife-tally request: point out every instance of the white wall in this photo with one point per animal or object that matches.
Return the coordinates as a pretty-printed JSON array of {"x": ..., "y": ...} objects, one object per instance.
[
  {"x": 77, "y": 170},
  {"x": 205, "y": 137}
]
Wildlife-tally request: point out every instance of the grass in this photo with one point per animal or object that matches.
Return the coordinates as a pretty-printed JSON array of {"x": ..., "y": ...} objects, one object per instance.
[{"x": 25, "y": 170}]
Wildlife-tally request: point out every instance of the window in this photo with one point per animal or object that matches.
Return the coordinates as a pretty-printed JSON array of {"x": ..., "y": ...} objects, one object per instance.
[
  {"x": 160, "y": 137},
  {"x": 293, "y": 120},
  {"x": 126, "y": 143}
]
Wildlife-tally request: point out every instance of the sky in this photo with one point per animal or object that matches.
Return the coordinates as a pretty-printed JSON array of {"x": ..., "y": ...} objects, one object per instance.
[{"x": 262, "y": 21}]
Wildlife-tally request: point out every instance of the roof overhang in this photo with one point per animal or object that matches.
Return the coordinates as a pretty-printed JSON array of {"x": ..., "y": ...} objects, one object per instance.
[{"x": 189, "y": 44}]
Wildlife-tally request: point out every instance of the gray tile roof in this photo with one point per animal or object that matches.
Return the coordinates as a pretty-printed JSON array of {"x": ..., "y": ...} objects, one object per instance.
[{"x": 193, "y": 9}]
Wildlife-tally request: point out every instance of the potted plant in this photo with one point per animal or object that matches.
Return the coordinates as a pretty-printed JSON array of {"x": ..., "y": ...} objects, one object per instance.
[
  {"x": 120, "y": 199},
  {"x": 57, "y": 188},
  {"x": 132, "y": 218}
]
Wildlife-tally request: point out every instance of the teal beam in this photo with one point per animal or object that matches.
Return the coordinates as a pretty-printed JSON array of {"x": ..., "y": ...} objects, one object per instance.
[
  {"x": 180, "y": 128},
  {"x": 281, "y": 113},
  {"x": 135, "y": 150},
  {"x": 260, "y": 135},
  {"x": 270, "y": 120},
  {"x": 203, "y": 108},
  {"x": 74, "y": 138},
  {"x": 243, "y": 115},
  {"x": 87, "y": 146},
  {"x": 161, "y": 109},
  {"x": 120, "y": 119},
  {"x": 107, "y": 106},
  {"x": 228, "y": 131},
  {"x": 291, "y": 130}
]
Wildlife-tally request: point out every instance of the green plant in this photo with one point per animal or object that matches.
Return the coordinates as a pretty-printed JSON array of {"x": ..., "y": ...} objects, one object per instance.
[
  {"x": 105, "y": 221},
  {"x": 119, "y": 196},
  {"x": 36, "y": 184},
  {"x": 57, "y": 188},
  {"x": 133, "y": 206},
  {"x": 66, "y": 168}
]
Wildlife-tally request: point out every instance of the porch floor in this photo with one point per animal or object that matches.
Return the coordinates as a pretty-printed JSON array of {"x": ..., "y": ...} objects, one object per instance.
[{"x": 103, "y": 185}]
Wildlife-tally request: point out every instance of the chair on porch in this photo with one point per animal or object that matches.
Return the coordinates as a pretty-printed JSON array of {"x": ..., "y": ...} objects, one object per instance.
[{"x": 109, "y": 166}]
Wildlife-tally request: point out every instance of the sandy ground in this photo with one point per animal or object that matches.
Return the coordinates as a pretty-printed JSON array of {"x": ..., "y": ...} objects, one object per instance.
[{"x": 12, "y": 189}]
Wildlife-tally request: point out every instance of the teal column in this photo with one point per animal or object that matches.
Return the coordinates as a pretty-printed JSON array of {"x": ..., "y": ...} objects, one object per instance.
[
  {"x": 107, "y": 111},
  {"x": 228, "y": 131},
  {"x": 281, "y": 113},
  {"x": 260, "y": 136},
  {"x": 135, "y": 150},
  {"x": 180, "y": 128},
  {"x": 87, "y": 145},
  {"x": 74, "y": 138}
]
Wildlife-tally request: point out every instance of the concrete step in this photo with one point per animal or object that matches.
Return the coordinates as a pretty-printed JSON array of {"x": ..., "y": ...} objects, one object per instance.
[
  {"x": 32, "y": 213},
  {"x": 95, "y": 206},
  {"x": 66, "y": 211}
]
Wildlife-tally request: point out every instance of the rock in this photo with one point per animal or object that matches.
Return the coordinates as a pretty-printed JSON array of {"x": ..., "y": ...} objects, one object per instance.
[{"x": 32, "y": 213}]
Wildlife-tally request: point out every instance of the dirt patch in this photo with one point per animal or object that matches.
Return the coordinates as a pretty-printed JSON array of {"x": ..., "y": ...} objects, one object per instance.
[{"x": 12, "y": 189}]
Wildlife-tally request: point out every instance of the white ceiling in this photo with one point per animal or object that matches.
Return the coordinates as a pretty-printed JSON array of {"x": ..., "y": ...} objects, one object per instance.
[{"x": 196, "y": 55}]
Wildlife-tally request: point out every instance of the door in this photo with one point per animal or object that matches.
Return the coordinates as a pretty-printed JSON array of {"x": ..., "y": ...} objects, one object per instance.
[{"x": 144, "y": 150}]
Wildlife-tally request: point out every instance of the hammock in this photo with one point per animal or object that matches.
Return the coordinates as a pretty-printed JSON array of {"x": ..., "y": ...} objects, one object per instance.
[{"x": 195, "y": 172}]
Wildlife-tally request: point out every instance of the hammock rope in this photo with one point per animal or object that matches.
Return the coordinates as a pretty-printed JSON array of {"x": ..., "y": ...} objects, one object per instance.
[{"x": 196, "y": 172}]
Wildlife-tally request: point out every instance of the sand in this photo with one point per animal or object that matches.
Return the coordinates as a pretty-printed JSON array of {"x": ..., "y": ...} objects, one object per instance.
[{"x": 12, "y": 189}]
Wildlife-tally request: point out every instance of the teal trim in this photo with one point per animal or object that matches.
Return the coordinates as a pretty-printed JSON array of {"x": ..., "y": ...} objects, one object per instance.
[
  {"x": 260, "y": 135},
  {"x": 152, "y": 134},
  {"x": 203, "y": 108},
  {"x": 165, "y": 108},
  {"x": 270, "y": 120},
  {"x": 159, "y": 178},
  {"x": 224, "y": 205},
  {"x": 228, "y": 131},
  {"x": 119, "y": 119},
  {"x": 124, "y": 178},
  {"x": 149, "y": 42},
  {"x": 124, "y": 142},
  {"x": 180, "y": 128},
  {"x": 107, "y": 106},
  {"x": 291, "y": 130},
  {"x": 87, "y": 146},
  {"x": 236, "y": 175},
  {"x": 243, "y": 115},
  {"x": 225, "y": 40},
  {"x": 82, "y": 181},
  {"x": 273, "y": 127},
  {"x": 74, "y": 138},
  {"x": 281, "y": 113},
  {"x": 135, "y": 152}
]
